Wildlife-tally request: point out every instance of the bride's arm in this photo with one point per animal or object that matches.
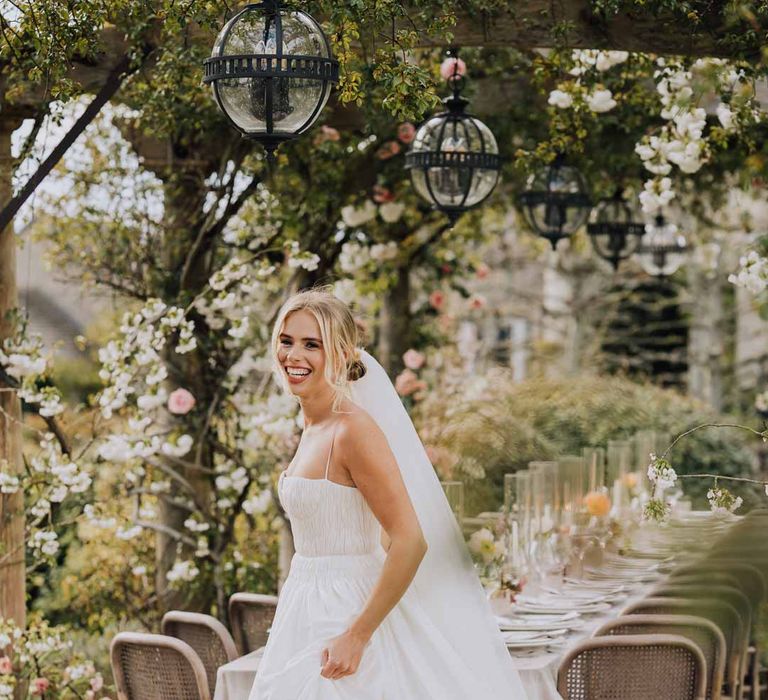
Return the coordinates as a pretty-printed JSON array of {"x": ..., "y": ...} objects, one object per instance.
[{"x": 364, "y": 451}]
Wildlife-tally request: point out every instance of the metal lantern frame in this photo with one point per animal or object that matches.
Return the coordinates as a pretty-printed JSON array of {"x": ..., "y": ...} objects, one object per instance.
[
  {"x": 615, "y": 241},
  {"x": 659, "y": 252},
  {"x": 563, "y": 201},
  {"x": 470, "y": 161},
  {"x": 272, "y": 68}
]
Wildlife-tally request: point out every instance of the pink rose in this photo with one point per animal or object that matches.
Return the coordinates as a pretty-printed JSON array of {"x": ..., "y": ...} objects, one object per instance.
[
  {"x": 382, "y": 195},
  {"x": 6, "y": 666},
  {"x": 97, "y": 682},
  {"x": 407, "y": 383},
  {"x": 482, "y": 271},
  {"x": 413, "y": 359},
  {"x": 40, "y": 685},
  {"x": 406, "y": 132},
  {"x": 326, "y": 133},
  {"x": 387, "y": 150},
  {"x": 452, "y": 67},
  {"x": 477, "y": 301},
  {"x": 437, "y": 299},
  {"x": 180, "y": 402}
]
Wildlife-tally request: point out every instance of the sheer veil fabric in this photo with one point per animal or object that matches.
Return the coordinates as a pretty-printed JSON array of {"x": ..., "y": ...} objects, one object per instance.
[{"x": 446, "y": 586}]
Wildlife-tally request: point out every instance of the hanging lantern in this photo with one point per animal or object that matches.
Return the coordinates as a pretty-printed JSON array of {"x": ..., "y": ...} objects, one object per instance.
[
  {"x": 454, "y": 158},
  {"x": 662, "y": 250},
  {"x": 271, "y": 72},
  {"x": 614, "y": 234},
  {"x": 555, "y": 201}
]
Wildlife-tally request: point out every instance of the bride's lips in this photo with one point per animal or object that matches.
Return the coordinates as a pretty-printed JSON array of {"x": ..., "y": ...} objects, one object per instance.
[{"x": 292, "y": 379}]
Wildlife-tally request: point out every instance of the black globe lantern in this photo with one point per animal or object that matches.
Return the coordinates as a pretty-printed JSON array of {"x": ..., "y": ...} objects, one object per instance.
[
  {"x": 555, "y": 201},
  {"x": 271, "y": 72},
  {"x": 454, "y": 158},
  {"x": 662, "y": 250},
  {"x": 615, "y": 236}
]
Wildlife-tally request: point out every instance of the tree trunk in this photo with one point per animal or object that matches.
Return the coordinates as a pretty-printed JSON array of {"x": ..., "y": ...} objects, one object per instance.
[
  {"x": 395, "y": 327},
  {"x": 12, "y": 569},
  {"x": 182, "y": 194}
]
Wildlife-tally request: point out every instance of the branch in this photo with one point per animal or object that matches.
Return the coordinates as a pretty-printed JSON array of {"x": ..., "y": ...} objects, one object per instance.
[
  {"x": 208, "y": 234},
  {"x": 720, "y": 477},
  {"x": 111, "y": 85},
  {"x": 712, "y": 425}
]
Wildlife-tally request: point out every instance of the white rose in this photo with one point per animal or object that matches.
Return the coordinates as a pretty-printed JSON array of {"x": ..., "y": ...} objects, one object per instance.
[
  {"x": 601, "y": 101},
  {"x": 560, "y": 99},
  {"x": 357, "y": 216},
  {"x": 391, "y": 211},
  {"x": 725, "y": 116}
]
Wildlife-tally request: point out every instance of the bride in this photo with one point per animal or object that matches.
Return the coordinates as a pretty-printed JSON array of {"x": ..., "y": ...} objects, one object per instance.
[{"x": 381, "y": 601}]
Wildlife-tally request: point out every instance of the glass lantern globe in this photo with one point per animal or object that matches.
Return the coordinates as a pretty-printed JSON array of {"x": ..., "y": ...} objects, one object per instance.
[
  {"x": 555, "y": 201},
  {"x": 454, "y": 158},
  {"x": 614, "y": 233},
  {"x": 662, "y": 250},
  {"x": 271, "y": 72}
]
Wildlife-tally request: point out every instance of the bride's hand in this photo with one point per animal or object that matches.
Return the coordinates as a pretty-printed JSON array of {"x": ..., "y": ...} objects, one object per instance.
[{"x": 342, "y": 655}]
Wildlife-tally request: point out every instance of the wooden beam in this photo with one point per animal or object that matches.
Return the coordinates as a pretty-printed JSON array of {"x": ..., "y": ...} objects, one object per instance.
[
  {"x": 536, "y": 23},
  {"x": 12, "y": 546}
]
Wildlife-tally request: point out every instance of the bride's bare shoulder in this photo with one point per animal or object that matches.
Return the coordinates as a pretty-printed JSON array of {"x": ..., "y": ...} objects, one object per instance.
[{"x": 356, "y": 423}]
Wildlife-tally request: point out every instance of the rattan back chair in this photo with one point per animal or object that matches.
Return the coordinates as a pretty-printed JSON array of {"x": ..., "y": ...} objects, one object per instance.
[
  {"x": 211, "y": 641},
  {"x": 749, "y": 579},
  {"x": 729, "y": 594},
  {"x": 702, "y": 632},
  {"x": 633, "y": 667},
  {"x": 156, "y": 667},
  {"x": 720, "y": 612},
  {"x": 250, "y": 617}
]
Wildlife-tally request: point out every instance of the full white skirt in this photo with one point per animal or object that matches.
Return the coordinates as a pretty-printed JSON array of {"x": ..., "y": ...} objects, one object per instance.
[{"x": 406, "y": 659}]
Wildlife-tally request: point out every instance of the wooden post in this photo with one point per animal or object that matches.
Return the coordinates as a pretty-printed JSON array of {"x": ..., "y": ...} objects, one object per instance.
[
  {"x": 12, "y": 570},
  {"x": 395, "y": 319}
]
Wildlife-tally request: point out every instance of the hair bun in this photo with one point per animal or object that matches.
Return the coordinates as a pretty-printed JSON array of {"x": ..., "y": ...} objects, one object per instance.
[{"x": 355, "y": 368}]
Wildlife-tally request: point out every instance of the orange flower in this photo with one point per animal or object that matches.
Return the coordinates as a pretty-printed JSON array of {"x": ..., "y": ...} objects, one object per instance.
[
  {"x": 630, "y": 480},
  {"x": 597, "y": 503}
]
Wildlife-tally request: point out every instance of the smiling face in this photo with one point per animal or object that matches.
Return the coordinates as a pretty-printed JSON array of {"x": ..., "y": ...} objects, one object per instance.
[{"x": 301, "y": 355}]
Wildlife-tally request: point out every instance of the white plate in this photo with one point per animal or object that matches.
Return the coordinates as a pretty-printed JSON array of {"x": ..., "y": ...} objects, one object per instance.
[
  {"x": 553, "y": 607},
  {"x": 542, "y": 617},
  {"x": 533, "y": 643},
  {"x": 529, "y": 635}
]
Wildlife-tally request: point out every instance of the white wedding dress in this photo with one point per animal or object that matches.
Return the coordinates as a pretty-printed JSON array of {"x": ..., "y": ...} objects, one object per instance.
[
  {"x": 440, "y": 642},
  {"x": 337, "y": 562}
]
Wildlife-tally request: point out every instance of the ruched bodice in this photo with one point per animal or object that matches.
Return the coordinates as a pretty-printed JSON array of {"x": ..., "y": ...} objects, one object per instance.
[{"x": 328, "y": 518}]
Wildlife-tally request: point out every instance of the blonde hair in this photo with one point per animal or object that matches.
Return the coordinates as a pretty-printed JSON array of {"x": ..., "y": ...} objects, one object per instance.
[{"x": 339, "y": 333}]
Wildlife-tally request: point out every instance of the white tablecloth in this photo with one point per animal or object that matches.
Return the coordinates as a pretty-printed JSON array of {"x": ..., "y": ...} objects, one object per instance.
[{"x": 538, "y": 671}]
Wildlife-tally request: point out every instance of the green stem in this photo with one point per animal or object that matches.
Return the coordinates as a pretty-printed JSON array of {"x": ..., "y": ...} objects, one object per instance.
[
  {"x": 720, "y": 476},
  {"x": 711, "y": 425}
]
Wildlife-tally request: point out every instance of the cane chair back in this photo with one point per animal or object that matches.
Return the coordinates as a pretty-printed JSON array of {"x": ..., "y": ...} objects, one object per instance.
[
  {"x": 702, "y": 632},
  {"x": 633, "y": 667},
  {"x": 721, "y": 613},
  {"x": 746, "y": 577},
  {"x": 211, "y": 641},
  {"x": 728, "y": 594},
  {"x": 156, "y": 667},
  {"x": 250, "y": 617}
]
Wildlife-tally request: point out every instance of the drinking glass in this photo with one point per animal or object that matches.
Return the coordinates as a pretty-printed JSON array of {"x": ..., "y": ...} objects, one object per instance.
[
  {"x": 594, "y": 459},
  {"x": 454, "y": 492},
  {"x": 618, "y": 475}
]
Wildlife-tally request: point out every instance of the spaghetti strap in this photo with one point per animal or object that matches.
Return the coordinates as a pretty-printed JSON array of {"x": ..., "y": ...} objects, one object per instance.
[{"x": 330, "y": 452}]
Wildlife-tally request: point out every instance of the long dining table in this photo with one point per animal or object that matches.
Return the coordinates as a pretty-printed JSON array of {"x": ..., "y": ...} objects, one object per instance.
[{"x": 633, "y": 575}]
